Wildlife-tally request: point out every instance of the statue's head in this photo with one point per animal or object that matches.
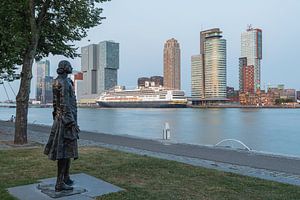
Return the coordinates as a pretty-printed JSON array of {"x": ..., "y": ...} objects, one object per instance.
[{"x": 64, "y": 67}]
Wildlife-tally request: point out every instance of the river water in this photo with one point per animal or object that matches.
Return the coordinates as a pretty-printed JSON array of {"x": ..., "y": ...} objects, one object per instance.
[{"x": 269, "y": 130}]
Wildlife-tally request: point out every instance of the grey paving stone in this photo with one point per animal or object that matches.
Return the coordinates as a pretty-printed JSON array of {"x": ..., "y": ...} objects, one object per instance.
[{"x": 94, "y": 187}]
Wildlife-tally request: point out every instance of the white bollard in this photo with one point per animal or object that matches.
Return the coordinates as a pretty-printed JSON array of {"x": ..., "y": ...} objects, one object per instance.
[{"x": 166, "y": 132}]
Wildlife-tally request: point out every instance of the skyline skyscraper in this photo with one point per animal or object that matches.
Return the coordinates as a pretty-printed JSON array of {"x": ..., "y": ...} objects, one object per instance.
[
  {"x": 99, "y": 64},
  {"x": 43, "y": 82},
  {"x": 209, "y": 68},
  {"x": 197, "y": 77},
  {"x": 108, "y": 65},
  {"x": 42, "y": 68},
  {"x": 214, "y": 59},
  {"x": 172, "y": 64},
  {"x": 251, "y": 56},
  {"x": 89, "y": 69}
]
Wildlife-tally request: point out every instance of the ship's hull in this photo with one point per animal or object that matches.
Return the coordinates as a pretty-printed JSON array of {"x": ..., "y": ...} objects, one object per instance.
[{"x": 142, "y": 104}]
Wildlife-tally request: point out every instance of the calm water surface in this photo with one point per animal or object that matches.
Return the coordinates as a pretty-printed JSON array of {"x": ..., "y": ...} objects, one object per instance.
[{"x": 270, "y": 130}]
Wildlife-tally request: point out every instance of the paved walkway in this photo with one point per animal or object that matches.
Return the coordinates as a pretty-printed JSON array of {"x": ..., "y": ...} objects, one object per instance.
[{"x": 271, "y": 167}]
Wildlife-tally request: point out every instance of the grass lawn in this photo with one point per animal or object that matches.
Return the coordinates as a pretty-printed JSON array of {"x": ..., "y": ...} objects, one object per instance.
[{"x": 142, "y": 177}]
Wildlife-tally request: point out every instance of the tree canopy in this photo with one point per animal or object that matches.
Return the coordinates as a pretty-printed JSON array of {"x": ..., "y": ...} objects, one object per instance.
[
  {"x": 53, "y": 24},
  {"x": 33, "y": 29}
]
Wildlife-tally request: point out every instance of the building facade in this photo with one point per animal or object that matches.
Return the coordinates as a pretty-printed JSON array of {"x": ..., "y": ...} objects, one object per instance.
[
  {"x": 44, "y": 82},
  {"x": 248, "y": 79},
  {"x": 273, "y": 96},
  {"x": 251, "y": 55},
  {"x": 232, "y": 94},
  {"x": 210, "y": 67},
  {"x": 108, "y": 65},
  {"x": 289, "y": 94},
  {"x": 215, "y": 65},
  {"x": 259, "y": 98},
  {"x": 89, "y": 67},
  {"x": 42, "y": 69},
  {"x": 298, "y": 95},
  {"x": 197, "y": 77},
  {"x": 172, "y": 64},
  {"x": 77, "y": 78},
  {"x": 282, "y": 93},
  {"x": 99, "y": 64}
]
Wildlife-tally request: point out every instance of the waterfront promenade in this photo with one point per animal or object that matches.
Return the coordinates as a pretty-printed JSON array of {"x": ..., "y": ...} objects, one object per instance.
[{"x": 272, "y": 167}]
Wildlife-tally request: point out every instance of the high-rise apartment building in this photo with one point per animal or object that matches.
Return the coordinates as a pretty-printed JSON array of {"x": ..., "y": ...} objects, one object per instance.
[
  {"x": 89, "y": 66},
  {"x": 43, "y": 82},
  {"x": 172, "y": 64},
  {"x": 209, "y": 68},
  {"x": 42, "y": 69},
  {"x": 251, "y": 55},
  {"x": 197, "y": 77},
  {"x": 108, "y": 65},
  {"x": 99, "y": 64}
]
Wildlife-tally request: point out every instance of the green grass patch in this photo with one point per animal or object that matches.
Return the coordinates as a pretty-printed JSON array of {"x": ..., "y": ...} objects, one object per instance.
[{"x": 142, "y": 177}]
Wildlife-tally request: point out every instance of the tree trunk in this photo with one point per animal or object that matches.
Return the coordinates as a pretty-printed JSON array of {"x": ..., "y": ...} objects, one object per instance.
[
  {"x": 26, "y": 74},
  {"x": 22, "y": 100}
]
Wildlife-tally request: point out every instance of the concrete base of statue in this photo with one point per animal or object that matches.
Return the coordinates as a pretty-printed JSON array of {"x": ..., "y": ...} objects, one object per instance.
[{"x": 86, "y": 187}]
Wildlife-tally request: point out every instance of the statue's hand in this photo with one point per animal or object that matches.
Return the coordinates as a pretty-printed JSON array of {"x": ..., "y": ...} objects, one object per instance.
[{"x": 76, "y": 129}]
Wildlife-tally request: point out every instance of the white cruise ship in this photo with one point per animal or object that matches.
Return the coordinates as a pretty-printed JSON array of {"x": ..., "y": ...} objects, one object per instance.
[{"x": 144, "y": 97}]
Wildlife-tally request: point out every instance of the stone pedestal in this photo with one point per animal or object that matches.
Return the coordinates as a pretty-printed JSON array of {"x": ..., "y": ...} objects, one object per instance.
[
  {"x": 49, "y": 189},
  {"x": 85, "y": 186}
]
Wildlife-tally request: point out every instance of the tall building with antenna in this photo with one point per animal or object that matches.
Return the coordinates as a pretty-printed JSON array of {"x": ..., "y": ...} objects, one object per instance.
[{"x": 250, "y": 60}]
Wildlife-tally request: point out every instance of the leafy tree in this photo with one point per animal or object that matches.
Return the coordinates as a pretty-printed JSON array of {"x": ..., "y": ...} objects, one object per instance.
[{"x": 33, "y": 29}]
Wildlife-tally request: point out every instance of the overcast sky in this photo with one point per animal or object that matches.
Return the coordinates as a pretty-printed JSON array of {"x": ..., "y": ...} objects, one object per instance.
[{"x": 141, "y": 27}]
